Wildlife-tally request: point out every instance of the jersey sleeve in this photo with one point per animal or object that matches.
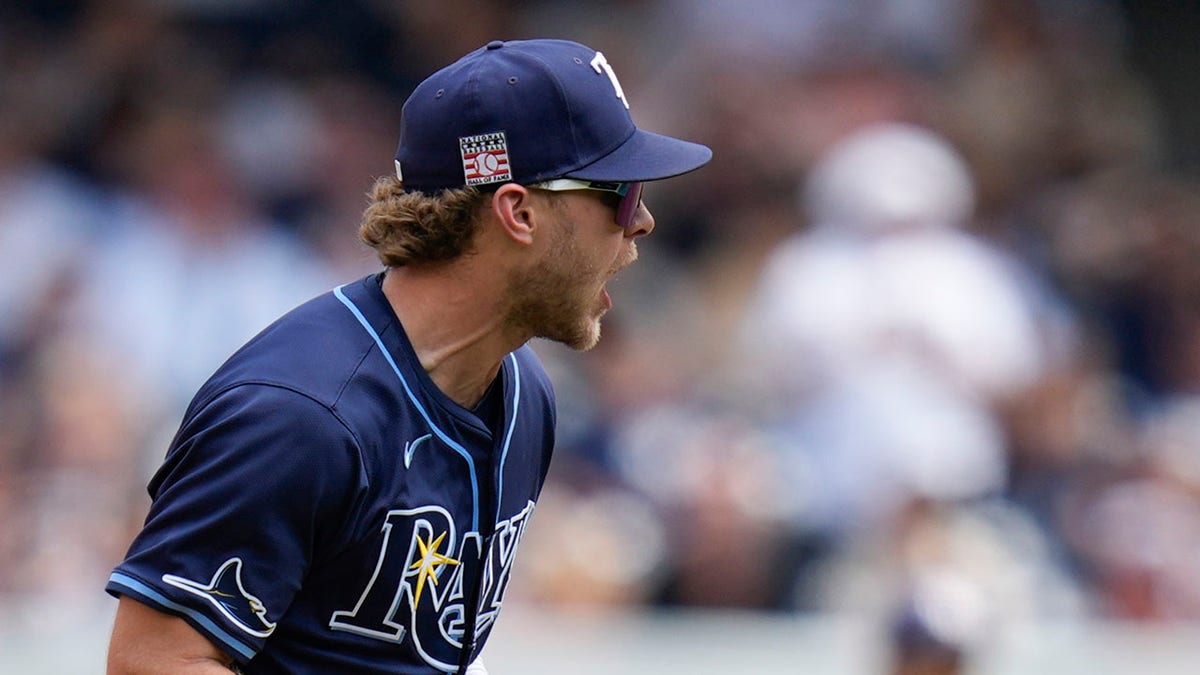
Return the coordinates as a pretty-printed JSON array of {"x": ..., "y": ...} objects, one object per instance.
[{"x": 255, "y": 489}]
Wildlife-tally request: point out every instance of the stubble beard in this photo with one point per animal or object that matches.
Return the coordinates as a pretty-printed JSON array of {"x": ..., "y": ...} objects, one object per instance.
[{"x": 557, "y": 298}]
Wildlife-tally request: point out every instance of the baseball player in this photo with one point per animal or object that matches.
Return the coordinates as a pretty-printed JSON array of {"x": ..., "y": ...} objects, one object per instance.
[{"x": 347, "y": 492}]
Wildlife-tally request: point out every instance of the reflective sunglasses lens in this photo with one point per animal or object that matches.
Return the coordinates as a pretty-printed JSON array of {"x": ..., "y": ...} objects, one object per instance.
[{"x": 627, "y": 209}]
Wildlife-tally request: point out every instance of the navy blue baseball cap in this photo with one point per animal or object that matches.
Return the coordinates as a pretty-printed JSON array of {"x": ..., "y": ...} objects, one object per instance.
[{"x": 527, "y": 111}]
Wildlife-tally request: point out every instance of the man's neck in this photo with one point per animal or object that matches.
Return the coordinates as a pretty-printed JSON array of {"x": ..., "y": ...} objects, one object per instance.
[{"x": 454, "y": 317}]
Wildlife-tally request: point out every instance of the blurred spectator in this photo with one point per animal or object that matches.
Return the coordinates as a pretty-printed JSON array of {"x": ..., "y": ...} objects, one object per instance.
[
  {"x": 887, "y": 272},
  {"x": 885, "y": 333}
]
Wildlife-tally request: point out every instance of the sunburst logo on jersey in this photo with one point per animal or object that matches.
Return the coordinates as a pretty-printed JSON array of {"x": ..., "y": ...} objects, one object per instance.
[{"x": 428, "y": 563}]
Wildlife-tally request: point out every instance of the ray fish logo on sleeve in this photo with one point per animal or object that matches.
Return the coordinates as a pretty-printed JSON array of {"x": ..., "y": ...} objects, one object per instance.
[
  {"x": 485, "y": 158},
  {"x": 227, "y": 593}
]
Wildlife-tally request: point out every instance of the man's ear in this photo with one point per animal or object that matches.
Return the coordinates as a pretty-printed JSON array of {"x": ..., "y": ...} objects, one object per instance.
[{"x": 517, "y": 211}]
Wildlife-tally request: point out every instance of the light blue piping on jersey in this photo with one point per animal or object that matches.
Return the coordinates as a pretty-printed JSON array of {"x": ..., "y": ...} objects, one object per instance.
[
  {"x": 411, "y": 397},
  {"x": 512, "y": 423},
  {"x": 202, "y": 619}
]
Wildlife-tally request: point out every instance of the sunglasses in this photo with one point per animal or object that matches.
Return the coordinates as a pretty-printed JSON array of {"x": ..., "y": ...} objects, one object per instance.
[{"x": 630, "y": 194}]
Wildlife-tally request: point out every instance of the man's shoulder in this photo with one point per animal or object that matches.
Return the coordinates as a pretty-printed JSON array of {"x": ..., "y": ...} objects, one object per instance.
[
  {"x": 314, "y": 349},
  {"x": 312, "y": 340}
]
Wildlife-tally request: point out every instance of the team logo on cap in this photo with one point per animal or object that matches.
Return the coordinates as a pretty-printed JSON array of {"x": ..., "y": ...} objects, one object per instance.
[{"x": 485, "y": 158}]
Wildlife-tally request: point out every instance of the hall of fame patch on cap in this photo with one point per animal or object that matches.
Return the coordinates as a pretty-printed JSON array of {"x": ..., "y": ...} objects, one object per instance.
[{"x": 485, "y": 158}]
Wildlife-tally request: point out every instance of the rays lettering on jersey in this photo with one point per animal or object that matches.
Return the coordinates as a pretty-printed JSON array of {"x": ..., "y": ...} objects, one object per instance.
[
  {"x": 501, "y": 553},
  {"x": 416, "y": 590}
]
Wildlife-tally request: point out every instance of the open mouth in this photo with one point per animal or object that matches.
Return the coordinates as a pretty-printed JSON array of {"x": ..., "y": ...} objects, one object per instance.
[{"x": 616, "y": 269}]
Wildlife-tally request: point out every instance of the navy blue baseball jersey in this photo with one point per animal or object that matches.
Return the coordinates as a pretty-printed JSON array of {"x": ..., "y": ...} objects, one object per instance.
[{"x": 325, "y": 508}]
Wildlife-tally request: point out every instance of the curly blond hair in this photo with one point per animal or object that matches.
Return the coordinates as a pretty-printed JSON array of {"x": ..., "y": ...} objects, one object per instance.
[{"x": 408, "y": 228}]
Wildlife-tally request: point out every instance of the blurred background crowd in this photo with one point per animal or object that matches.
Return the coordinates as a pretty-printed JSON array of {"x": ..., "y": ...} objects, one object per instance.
[{"x": 922, "y": 342}]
